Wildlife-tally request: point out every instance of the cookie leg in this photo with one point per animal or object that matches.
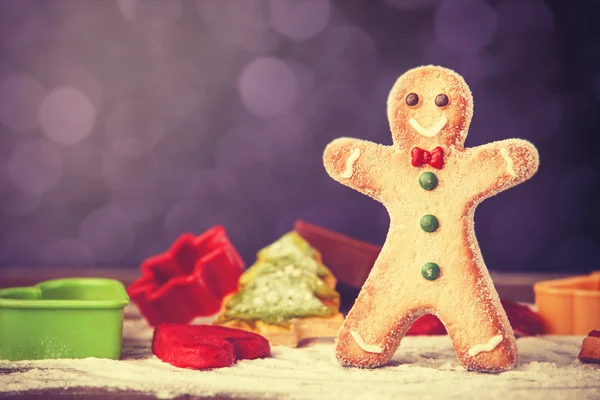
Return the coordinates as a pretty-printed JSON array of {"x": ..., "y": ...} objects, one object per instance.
[
  {"x": 477, "y": 324},
  {"x": 374, "y": 327}
]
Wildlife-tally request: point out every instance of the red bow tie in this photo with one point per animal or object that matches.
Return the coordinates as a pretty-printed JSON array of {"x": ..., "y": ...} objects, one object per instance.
[{"x": 435, "y": 158}]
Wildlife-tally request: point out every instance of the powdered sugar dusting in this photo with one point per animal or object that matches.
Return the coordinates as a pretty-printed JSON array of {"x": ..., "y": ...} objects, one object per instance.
[{"x": 424, "y": 367}]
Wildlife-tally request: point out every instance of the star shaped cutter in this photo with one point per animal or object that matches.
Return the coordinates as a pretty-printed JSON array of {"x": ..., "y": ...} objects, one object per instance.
[{"x": 189, "y": 280}]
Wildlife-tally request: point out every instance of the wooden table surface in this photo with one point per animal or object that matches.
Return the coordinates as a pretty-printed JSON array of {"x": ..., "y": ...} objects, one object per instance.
[{"x": 517, "y": 287}]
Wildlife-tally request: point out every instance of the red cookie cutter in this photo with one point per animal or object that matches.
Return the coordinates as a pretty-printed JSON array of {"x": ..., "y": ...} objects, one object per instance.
[
  {"x": 189, "y": 280},
  {"x": 349, "y": 259}
]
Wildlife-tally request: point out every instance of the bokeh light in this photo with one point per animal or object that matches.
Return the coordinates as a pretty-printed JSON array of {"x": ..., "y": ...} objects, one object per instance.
[
  {"x": 67, "y": 116},
  {"x": 267, "y": 87},
  {"x": 300, "y": 20},
  {"x": 77, "y": 76},
  {"x": 125, "y": 123}
]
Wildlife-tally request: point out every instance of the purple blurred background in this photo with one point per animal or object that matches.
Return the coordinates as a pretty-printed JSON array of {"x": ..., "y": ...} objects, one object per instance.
[{"x": 126, "y": 123}]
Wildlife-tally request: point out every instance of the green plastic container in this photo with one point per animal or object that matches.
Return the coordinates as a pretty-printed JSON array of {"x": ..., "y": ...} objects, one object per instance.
[{"x": 62, "y": 318}]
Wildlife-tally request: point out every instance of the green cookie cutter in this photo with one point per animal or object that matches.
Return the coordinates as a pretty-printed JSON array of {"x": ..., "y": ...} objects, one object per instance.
[{"x": 63, "y": 318}]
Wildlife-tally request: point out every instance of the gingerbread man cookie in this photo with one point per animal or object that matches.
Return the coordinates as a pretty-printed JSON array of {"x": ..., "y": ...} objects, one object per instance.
[{"x": 430, "y": 263}]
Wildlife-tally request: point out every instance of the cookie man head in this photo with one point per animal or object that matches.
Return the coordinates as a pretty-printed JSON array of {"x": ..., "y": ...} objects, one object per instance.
[{"x": 428, "y": 107}]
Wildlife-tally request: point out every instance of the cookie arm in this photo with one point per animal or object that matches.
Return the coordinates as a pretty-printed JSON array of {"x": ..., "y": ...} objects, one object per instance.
[
  {"x": 355, "y": 163},
  {"x": 500, "y": 165}
]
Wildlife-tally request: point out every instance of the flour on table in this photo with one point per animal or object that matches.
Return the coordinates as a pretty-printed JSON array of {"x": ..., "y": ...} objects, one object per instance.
[{"x": 423, "y": 367}]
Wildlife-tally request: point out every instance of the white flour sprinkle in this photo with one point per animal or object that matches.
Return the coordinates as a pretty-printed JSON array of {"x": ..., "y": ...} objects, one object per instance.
[{"x": 424, "y": 367}]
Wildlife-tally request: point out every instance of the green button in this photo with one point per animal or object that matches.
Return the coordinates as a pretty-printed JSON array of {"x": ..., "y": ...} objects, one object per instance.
[
  {"x": 428, "y": 180},
  {"x": 430, "y": 271},
  {"x": 429, "y": 223}
]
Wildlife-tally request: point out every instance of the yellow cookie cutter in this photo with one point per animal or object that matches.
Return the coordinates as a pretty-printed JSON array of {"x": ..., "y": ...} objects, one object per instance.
[{"x": 569, "y": 306}]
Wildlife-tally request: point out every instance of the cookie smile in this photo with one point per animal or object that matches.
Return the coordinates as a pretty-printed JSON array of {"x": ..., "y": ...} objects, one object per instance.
[{"x": 432, "y": 130}]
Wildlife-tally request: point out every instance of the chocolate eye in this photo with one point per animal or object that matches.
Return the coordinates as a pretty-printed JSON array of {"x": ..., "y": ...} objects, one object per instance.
[
  {"x": 412, "y": 99},
  {"x": 441, "y": 100}
]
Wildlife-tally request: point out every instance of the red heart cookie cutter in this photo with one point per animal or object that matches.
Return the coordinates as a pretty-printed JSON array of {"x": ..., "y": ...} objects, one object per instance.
[
  {"x": 206, "y": 346},
  {"x": 189, "y": 280}
]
